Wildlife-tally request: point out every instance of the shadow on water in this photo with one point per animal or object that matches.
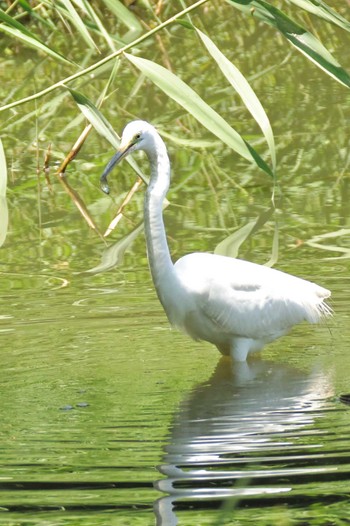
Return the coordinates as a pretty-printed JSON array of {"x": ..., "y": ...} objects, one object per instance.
[{"x": 246, "y": 437}]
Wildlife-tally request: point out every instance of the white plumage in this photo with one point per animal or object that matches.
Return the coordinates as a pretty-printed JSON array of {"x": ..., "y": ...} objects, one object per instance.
[{"x": 236, "y": 305}]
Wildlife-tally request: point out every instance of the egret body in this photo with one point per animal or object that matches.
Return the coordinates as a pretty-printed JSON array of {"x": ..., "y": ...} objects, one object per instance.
[{"x": 236, "y": 305}]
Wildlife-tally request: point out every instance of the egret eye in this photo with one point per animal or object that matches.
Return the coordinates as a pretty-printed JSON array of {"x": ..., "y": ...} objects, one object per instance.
[{"x": 138, "y": 136}]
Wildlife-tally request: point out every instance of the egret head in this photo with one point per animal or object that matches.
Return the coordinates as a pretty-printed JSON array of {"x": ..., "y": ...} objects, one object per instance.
[{"x": 137, "y": 135}]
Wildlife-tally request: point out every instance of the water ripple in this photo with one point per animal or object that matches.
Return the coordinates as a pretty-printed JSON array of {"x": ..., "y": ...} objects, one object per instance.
[{"x": 251, "y": 434}]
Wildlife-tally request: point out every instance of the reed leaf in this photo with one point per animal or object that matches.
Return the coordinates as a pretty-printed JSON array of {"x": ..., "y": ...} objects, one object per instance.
[
  {"x": 180, "y": 92},
  {"x": 275, "y": 248},
  {"x": 28, "y": 8},
  {"x": 19, "y": 31},
  {"x": 126, "y": 17},
  {"x": 300, "y": 38},
  {"x": 97, "y": 65},
  {"x": 79, "y": 203},
  {"x": 243, "y": 88},
  {"x": 322, "y": 10},
  {"x": 76, "y": 20},
  {"x": 96, "y": 20},
  {"x": 12, "y": 22},
  {"x": 96, "y": 118}
]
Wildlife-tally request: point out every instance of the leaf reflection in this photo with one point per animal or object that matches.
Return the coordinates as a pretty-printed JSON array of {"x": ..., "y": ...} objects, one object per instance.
[
  {"x": 113, "y": 255},
  {"x": 231, "y": 244},
  {"x": 316, "y": 242}
]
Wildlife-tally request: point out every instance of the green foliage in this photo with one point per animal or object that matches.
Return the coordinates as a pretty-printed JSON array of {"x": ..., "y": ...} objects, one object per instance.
[
  {"x": 322, "y": 10},
  {"x": 127, "y": 92},
  {"x": 72, "y": 335},
  {"x": 175, "y": 88},
  {"x": 300, "y": 38},
  {"x": 18, "y": 31},
  {"x": 242, "y": 86},
  {"x": 96, "y": 118},
  {"x": 89, "y": 21}
]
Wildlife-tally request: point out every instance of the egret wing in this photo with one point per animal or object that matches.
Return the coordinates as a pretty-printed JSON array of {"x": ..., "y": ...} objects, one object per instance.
[
  {"x": 250, "y": 300},
  {"x": 251, "y": 312}
]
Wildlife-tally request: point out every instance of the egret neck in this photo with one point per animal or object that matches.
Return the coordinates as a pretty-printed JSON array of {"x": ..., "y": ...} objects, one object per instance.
[{"x": 161, "y": 265}]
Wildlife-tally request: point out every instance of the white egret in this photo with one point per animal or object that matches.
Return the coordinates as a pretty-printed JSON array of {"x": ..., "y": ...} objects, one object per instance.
[{"x": 236, "y": 305}]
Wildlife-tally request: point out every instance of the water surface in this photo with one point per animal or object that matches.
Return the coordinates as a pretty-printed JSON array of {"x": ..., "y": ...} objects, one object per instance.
[{"x": 110, "y": 417}]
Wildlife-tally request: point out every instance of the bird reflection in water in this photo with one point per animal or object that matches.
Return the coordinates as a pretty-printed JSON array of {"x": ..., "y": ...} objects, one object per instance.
[{"x": 233, "y": 433}]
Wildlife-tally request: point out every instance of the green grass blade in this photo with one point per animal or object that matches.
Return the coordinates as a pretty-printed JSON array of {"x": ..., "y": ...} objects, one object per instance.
[
  {"x": 12, "y": 22},
  {"x": 322, "y": 10},
  {"x": 180, "y": 92},
  {"x": 125, "y": 16},
  {"x": 96, "y": 118},
  {"x": 78, "y": 23},
  {"x": 104, "y": 61},
  {"x": 96, "y": 20},
  {"x": 27, "y": 7},
  {"x": 17, "y": 30},
  {"x": 243, "y": 88},
  {"x": 312, "y": 48},
  {"x": 3, "y": 202},
  {"x": 301, "y": 39}
]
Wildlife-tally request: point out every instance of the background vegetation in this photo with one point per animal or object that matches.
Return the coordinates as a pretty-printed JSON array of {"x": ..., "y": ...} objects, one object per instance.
[
  {"x": 69, "y": 335},
  {"x": 81, "y": 45}
]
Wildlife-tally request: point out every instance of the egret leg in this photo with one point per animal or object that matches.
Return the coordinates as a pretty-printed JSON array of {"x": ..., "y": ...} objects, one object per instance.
[{"x": 240, "y": 349}]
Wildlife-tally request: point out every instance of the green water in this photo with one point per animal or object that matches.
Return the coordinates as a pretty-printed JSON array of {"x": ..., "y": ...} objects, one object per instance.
[{"x": 110, "y": 417}]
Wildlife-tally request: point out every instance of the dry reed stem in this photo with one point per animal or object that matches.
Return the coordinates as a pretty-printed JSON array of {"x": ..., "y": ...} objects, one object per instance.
[
  {"x": 74, "y": 151},
  {"x": 77, "y": 200}
]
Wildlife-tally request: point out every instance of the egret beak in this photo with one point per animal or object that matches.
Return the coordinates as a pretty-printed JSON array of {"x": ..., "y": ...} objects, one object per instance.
[{"x": 117, "y": 157}]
